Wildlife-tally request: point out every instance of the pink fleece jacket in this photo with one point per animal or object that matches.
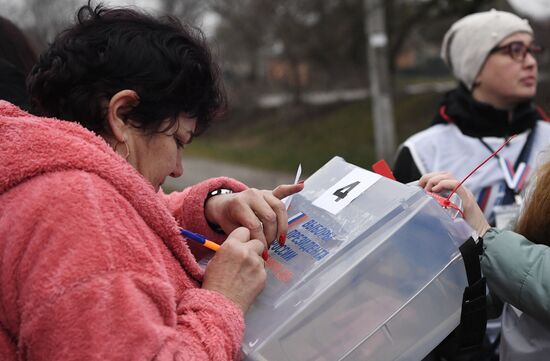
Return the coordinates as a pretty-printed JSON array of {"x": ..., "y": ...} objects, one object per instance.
[{"x": 92, "y": 266}]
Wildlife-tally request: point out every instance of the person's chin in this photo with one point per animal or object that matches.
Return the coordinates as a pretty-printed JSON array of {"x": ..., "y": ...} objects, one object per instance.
[
  {"x": 530, "y": 92},
  {"x": 527, "y": 91},
  {"x": 159, "y": 185},
  {"x": 156, "y": 185}
]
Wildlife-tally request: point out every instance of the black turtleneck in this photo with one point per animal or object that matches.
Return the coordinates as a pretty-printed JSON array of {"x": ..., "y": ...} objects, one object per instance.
[{"x": 476, "y": 119}]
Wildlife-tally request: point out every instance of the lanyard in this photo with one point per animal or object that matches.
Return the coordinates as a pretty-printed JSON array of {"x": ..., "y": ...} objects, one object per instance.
[{"x": 515, "y": 175}]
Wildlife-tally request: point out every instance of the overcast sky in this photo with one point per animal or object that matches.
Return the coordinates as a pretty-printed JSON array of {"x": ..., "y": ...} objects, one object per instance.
[{"x": 14, "y": 10}]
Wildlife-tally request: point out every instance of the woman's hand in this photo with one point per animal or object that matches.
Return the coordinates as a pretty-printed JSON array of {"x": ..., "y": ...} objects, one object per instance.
[
  {"x": 261, "y": 211},
  {"x": 237, "y": 270},
  {"x": 441, "y": 181}
]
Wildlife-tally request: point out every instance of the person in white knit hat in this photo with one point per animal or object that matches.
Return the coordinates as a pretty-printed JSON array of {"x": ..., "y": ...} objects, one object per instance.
[{"x": 492, "y": 54}]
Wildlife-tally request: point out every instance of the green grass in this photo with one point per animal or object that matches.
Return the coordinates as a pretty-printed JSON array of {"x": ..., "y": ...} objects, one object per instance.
[{"x": 279, "y": 140}]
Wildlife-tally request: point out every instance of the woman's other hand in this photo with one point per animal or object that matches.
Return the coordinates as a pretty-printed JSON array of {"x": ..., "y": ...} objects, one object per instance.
[
  {"x": 260, "y": 211},
  {"x": 237, "y": 270},
  {"x": 441, "y": 181}
]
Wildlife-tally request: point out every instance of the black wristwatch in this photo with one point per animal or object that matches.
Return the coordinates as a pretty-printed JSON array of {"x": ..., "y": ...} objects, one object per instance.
[{"x": 216, "y": 192}]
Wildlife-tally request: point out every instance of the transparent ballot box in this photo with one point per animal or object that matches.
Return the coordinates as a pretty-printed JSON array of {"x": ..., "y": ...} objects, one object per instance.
[{"x": 371, "y": 270}]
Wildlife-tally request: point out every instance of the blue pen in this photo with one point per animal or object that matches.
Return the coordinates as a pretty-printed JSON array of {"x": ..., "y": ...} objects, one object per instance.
[{"x": 200, "y": 239}]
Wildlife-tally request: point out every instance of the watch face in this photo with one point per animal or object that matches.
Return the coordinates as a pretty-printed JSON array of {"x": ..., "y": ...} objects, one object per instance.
[{"x": 219, "y": 191}]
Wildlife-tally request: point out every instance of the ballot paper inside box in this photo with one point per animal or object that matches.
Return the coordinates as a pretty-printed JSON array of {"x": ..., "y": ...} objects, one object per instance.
[{"x": 370, "y": 271}]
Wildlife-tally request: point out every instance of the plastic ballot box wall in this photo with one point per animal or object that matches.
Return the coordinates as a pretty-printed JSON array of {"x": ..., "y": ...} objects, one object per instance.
[{"x": 370, "y": 271}]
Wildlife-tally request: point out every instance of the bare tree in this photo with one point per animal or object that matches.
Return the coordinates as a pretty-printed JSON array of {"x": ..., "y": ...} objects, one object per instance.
[
  {"x": 189, "y": 11},
  {"x": 327, "y": 37},
  {"x": 316, "y": 37},
  {"x": 404, "y": 17},
  {"x": 245, "y": 27},
  {"x": 50, "y": 17},
  {"x": 324, "y": 37}
]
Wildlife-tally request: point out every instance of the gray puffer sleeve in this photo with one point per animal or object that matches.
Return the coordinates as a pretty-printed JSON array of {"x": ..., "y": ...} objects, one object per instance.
[{"x": 518, "y": 272}]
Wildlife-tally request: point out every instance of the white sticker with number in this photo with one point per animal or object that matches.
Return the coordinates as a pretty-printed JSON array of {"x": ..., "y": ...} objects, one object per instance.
[{"x": 346, "y": 190}]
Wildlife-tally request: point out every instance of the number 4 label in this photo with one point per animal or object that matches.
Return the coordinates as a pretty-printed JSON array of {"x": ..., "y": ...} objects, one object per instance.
[
  {"x": 339, "y": 195},
  {"x": 344, "y": 191}
]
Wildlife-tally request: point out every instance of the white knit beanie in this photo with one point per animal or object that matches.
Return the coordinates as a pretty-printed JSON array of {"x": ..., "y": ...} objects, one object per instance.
[{"x": 468, "y": 42}]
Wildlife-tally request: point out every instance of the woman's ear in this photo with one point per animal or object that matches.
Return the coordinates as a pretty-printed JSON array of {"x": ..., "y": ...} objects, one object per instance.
[{"x": 120, "y": 105}]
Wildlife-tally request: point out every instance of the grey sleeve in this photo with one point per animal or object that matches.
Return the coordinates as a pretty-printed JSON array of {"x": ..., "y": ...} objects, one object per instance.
[{"x": 518, "y": 272}]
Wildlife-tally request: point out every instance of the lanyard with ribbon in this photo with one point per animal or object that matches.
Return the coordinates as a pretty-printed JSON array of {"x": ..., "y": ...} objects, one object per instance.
[{"x": 515, "y": 175}]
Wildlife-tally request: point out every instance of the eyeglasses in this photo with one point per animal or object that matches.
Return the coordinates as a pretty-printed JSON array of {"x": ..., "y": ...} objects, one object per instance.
[{"x": 518, "y": 50}]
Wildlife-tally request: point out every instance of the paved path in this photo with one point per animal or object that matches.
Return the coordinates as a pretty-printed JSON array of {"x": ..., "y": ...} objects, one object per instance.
[
  {"x": 198, "y": 169},
  {"x": 275, "y": 100}
]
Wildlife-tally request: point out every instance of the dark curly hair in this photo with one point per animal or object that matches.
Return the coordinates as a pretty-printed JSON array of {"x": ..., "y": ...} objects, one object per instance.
[{"x": 166, "y": 63}]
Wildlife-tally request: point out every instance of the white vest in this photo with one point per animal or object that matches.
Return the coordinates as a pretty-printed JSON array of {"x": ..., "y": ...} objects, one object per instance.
[
  {"x": 523, "y": 337},
  {"x": 443, "y": 147}
]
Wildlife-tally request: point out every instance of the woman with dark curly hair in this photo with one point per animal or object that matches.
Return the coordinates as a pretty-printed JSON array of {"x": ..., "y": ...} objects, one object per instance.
[{"x": 93, "y": 265}]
